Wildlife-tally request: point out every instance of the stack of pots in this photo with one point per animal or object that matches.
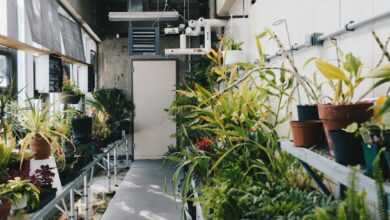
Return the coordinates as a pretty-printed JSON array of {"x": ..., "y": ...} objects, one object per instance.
[
  {"x": 345, "y": 147},
  {"x": 308, "y": 131}
]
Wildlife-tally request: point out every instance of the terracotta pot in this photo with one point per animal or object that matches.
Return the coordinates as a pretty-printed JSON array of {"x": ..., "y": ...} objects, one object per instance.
[
  {"x": 307, "y": 133},
  {"x": 40, "y": 148},
  {"x": 337, "y": 117},
  {"x": 5, "y": 208}
]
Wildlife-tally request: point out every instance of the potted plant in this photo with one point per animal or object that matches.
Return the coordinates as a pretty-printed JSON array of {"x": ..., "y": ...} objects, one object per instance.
[
  {"x": 344, "y": 109},
  {"x": 71, "y": 94},
  {"x": 81, "y": 126},
  {"x": 307, "y": 131},
  {"x": 41, "y": 133},
  {"x": 375, "y": 134},
  {"x": 43, "y": 179},
  {"x": 5, "y": 158},
  {"x": 114, "y": 109},
  {"x": 21, "y": 193},
  {"x": 233, "y": 52}
]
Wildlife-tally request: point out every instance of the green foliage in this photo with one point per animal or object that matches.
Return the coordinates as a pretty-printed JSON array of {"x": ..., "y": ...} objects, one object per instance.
[
  {"x": 112, "y": 107},
  {"x": 17, "y": 188},
  {"x": 354, "y": 206},
  {"x": 230, "y": 44},
  {"x": 39, "y": 121},
  {"x": 70, "y": 88},
  {"x": 242, "y": 173}
]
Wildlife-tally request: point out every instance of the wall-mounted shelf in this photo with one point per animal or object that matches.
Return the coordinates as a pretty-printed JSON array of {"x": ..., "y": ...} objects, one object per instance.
[{"x": 15, "y": 44}]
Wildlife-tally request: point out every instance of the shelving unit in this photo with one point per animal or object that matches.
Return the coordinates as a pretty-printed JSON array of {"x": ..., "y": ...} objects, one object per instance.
[
  {"x": 338, "y": 173},
  {"x": 15, "y": 44}
]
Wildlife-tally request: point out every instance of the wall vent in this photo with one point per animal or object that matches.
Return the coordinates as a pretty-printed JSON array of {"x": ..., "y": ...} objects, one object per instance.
[{"x": 144, "y": 40}]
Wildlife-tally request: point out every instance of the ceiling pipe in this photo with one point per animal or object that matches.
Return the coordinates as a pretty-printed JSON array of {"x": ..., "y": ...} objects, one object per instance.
[{"x": 349, "y": 27}]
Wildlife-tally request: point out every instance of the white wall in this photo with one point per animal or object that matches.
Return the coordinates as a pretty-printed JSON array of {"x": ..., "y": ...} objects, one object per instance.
[{"x": 308, "y": 16}]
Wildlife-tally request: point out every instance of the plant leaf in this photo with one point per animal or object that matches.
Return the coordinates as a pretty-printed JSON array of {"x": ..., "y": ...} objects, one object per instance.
[{"x": 329, "y": 70}]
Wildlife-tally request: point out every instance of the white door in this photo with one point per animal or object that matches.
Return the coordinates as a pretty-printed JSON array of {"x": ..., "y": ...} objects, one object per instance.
[{"x": 154, "y": 83}]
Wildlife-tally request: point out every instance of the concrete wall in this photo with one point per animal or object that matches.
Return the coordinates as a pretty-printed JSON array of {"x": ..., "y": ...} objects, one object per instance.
[
  {"x": 308, "y": 16},
  {"x": 114, "y": 64}
]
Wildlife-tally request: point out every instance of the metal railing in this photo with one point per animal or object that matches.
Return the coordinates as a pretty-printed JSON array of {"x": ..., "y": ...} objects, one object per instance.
[{"x": 108, "y": 161}]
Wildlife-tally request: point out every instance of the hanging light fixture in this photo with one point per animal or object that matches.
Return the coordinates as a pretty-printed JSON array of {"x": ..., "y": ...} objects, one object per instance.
[{"x": 144, "y": 16}]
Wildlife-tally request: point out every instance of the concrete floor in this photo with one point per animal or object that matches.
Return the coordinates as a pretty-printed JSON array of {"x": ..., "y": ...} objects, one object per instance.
[{"x": 146, "y": 193}]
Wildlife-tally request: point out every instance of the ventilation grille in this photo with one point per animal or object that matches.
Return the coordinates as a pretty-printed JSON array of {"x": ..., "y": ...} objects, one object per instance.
[{"x": 144, "y": 40}]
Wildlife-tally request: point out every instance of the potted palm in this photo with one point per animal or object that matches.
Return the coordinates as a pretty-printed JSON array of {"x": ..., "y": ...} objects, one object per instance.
[
  {"x": 71, "y": 94},
  {"x": 344, "y": 108},
  {"x": 41, "y": 133}
]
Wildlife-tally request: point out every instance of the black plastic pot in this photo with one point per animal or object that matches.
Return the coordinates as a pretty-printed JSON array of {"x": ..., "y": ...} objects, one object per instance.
[
  {"x": 82, "y": 129},
  {"x": 370, "y": 153},
  {"x": 307, "y": 112},
  {"x": 348, "y": 149},
  {"x": 69, "y": 98},
  {"x": 125, "y": 126},
  {"x": 45, "y": 196}
]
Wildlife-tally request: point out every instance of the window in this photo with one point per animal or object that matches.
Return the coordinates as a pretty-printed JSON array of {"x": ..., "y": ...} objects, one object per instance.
[{"x": 5, "y": 71}]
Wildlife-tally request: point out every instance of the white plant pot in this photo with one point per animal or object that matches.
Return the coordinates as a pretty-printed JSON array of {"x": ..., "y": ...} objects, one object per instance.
[
  {"x": 234, "y": 56},
  {"x": 20, "y": 204}
]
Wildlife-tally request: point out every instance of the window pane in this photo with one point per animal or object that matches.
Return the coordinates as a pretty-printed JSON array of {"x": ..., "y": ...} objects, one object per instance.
[{"x": 4, "y": 74}]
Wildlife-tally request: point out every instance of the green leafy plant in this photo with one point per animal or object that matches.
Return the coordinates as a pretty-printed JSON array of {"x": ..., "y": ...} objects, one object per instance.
[
  {"x": 15, "y": 190},
  {"x": 39, "y": 121},
  {"x": 5, "y": 158},
  {"x": 352, "y": 208},
  {"x": 230, "y": 44},
  {"x": 347, "y": 76},
  {"x": 113, "y": 106},
  {"x": 229, "y": 146},
  {"x": 70, "y": 88}
]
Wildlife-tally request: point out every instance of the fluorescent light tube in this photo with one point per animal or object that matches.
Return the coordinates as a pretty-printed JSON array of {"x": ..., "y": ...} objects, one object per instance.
[{"x": 143, "y": 16}]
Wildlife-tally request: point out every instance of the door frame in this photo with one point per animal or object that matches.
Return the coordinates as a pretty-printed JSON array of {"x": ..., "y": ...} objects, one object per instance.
[{"x": 146, "y": 58}]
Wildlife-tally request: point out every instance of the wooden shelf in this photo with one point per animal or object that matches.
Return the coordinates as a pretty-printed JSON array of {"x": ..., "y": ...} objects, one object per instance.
[{"x": 15, "y": 44}]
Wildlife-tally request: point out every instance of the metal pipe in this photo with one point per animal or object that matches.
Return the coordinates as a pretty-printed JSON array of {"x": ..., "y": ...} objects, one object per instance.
[
  {"x": 348, "y": 28},
  {"x": 108, "y": 173},
  {"x": 71, "y": 198},
  {"x": 86, "y": 192},
  {"x": 88, "y": 170},
  {"x": 115, "y": 167}
]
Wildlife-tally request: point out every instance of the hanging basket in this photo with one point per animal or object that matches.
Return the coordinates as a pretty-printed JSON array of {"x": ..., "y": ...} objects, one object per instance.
[{"x": 70, "y": 98}]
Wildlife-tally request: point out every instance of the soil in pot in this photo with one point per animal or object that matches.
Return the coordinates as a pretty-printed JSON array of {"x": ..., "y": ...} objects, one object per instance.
[
  {"x": 307, "y": 112},
  {"x": 307, "y": 133},
  {"x": 5, "y": 208},
  {"x": 40, "y": 148},
  {"x": 347, "y": 148},
  {"x": 337, "y": 117}
]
